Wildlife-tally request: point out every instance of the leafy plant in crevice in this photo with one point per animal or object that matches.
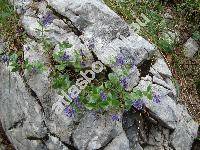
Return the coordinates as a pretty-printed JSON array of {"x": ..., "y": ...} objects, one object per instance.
[
  {"x": 64, "y": 62},
  {"x": 13, "y": 61},
  {"x": 36, "y": 67},
  {"x": 109, "y": 96}
]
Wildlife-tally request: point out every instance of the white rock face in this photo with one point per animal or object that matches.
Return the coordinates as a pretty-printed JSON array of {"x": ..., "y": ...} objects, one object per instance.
[
  {"x": 191, "y": 47},
  {"x": 93, "y": 133},
  {"x": 89, "y": 25},
  {"x": 21, "y": 5},
  {"x": 17, "y": 110}
]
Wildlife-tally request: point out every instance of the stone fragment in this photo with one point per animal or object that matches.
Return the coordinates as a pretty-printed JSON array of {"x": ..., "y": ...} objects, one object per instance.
[{"x": 190, "y": 47}]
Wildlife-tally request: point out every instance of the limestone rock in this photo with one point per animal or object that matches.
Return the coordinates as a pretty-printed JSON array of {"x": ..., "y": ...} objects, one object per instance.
[
  {"x": 94, "y": 133},
  {"x": 190, "y": 48},
  {"x": 91, "y": 26}
]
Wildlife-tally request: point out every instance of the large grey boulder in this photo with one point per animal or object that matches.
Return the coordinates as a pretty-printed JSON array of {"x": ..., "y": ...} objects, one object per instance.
[{"x": 94, "y": 133}]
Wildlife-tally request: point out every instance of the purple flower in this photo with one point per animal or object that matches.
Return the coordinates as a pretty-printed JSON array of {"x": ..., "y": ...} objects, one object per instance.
[
  {"x": 124, "y": 82},
  {"x": 34, "y": 70},
  {"x": 69, "y": 111},
  {"x": 133, "y": 68},
  {"x": 156, "y": 98},
  {"x": 27, "y": 48},
  {"x": 103, "y": 96},
  {"x": 81, "y": 52},
  {"x": 5, "y": 58},
  {"x": 77, "y": 102},
  {"x": 91, "y": 46},
  {"x": 47, "y": 19},
  {"x": 120, "y": 60},
  {"x": 115, "y": 117},
  {"x": 65, "y": 57},
  {"x": 138, "y": 104}
]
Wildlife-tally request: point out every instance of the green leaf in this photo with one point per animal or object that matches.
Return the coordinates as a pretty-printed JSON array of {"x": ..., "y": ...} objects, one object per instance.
[
  {"x": 64, "y": 45},
  {"x": 104, "y": 104},
  {"x": 114, "y": 103},
  {"x": 108, "y": 85},
  {"x": 128, "y": 104},
  {"x": 149, "y": 88},
  {"x": 145, "y": 93},
  {"x": 196, "y": 35},
  {"x": 61, "y": 66},
  {"x": 136, "y": 95},
  {"x": 139, "y": 93},
  {"x": 113, "y": 79},
  {"x": 165, "y": 45},
  {"x": 14, "y": 57},
  {"x": 61, "y": 82},
  {"x": 150, "y": 96},
  {"x": 91, "y": 106},
  {"x": 15, "y": 69}
]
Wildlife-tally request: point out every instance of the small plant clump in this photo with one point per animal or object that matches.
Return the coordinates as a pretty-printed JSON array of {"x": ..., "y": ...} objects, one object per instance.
[{"x": 106, "y": 96}]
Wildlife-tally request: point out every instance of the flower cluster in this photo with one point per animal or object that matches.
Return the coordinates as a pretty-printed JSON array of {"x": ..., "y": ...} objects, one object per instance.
[
  {"x": 65, "y": 57},
  {"x": 107, "y": 96},
  {"x": 120, "y": 60},
  {"x": 77, "y": 102},
  {"x": 124, "y": 82},
  {"x": 115, "y": 117},
  {"x": 47, "y": 19},
  {"x": 103, "y": 96},
  {"x": 156, "y": 98},
  {"x": 138, "y": 104},
  {"x": 5, "y": 58},
  {"x": 69, "y": 111}
]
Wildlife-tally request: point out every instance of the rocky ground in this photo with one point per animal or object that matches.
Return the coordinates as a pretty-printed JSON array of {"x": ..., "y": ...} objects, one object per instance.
[{"x": 26, "y": 100}]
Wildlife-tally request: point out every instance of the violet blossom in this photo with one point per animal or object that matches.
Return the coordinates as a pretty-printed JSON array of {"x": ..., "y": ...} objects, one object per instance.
[
  {"x": 124, "y": 82},
  {"x": 47, "y": 19},
  {"x": 5, "y": 58},
  {"x": 103, "y": 96},
  {"x": 65, "y": 57},
  {"x": 138, "y": 104},
  {"x": 156, "y": 98},
  {"x": 133, "y": 68},
  {"x": 69, "y": 111},
  {"x": 77, "y": 102},
  {"x": 120, "y": 60},
  {"x": 115, "y": 117}
]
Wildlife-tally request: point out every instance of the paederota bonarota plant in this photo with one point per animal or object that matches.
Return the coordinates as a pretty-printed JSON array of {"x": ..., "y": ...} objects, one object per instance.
[
  {"x": 65, "y": 60},
  {"x": 108, "y": 96},
  {"x": 36, "y": 67},
  {"x": 16, "y": 64}
]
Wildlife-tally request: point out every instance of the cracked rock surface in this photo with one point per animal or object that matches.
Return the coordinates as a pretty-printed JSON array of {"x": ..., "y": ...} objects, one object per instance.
[{"x": 89, "y": 25}]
